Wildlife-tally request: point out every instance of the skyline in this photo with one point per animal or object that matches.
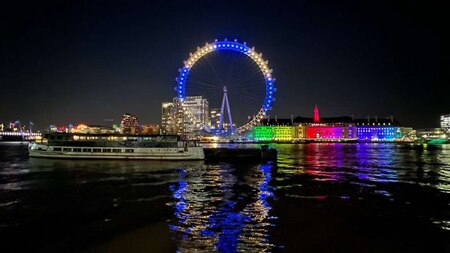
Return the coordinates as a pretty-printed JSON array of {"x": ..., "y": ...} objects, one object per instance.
[{"x": 84, "y": 62}]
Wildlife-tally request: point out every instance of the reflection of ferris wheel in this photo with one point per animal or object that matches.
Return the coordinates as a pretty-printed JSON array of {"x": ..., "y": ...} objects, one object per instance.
[{"x": 228, "y": 68}]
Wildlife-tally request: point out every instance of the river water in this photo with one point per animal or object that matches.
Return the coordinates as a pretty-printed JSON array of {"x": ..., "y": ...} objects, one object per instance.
[{"x": 315, "y": 198}]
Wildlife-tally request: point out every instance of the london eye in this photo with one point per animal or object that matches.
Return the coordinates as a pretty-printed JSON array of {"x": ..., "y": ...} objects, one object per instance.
[{"x": 233, "y": 78}]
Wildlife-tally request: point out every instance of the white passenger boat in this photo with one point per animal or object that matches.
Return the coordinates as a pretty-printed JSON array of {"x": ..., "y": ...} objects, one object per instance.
[{"x": 116, "y": 146}]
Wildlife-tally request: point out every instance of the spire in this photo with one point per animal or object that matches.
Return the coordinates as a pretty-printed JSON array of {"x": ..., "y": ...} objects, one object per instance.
[{"x": 316, "y": 114}]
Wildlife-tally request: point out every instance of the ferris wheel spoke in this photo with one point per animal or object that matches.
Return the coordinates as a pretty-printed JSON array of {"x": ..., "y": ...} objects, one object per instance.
[
  {"x": 246, "y": 106},
  {"x": 206, "y": 77},
  {"x": 254, "y": 84},
  {"x": 249, "y": 88},
  {"x": 238, "y": 58},
  {"x": 250, "y": 91},
  {"x": 260, "y": 96},
  {"x": 213, "y": 96},
  {"x": 208, "y": 84},
  {"x": 247, "y": 61},
  {"x": 214, "y": 70},
  {"x": 230, "y": 70},
  {"x": 254, "y": 74},
  {"x": 250, "y": 96}
]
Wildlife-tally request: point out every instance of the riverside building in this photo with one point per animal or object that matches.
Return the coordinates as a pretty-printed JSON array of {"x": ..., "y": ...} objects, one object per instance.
[
  {"x": 445, "y": 121},
  {"x": 333, "y": 129},
  {"x": 183, "y": 118}
]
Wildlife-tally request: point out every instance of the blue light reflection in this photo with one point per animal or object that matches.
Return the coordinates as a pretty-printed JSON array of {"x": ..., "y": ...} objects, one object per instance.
[{"x": 212, "y": 213}]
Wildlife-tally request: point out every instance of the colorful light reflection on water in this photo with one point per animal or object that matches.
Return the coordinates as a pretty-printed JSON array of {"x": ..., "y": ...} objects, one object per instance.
[
  {"x": 316, "y": 198},
  {"x": 212, "y": 213}
]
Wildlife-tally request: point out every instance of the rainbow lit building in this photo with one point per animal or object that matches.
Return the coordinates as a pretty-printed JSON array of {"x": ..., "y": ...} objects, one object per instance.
[
  {"x": 273, "y": 133},
  {"x": 378, "y": 130},
  {"x": 334, "y": 129}
]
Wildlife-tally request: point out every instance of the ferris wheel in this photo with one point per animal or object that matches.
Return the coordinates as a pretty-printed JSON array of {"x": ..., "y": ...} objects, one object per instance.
[{"x": 234, "y": 72}]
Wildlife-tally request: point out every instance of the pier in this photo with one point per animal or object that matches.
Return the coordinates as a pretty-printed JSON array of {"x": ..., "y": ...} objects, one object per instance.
[{"x": 241, "y": 154}]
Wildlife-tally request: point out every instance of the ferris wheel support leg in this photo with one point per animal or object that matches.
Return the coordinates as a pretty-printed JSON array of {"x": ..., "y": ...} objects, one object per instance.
[
  {"x": 221, "y": 113},
  {"x": 229, "y": 113}
]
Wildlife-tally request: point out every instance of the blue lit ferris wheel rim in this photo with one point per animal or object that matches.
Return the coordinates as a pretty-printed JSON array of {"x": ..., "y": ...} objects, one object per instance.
[{"x": 237, "y": 47}]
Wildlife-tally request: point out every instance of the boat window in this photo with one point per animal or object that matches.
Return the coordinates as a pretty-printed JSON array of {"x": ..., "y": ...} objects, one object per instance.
[
  {"x": 77, "y": 150},
  {"x": 87, "y": 150},
  {"x": 106, "y": 150},
  {"x": 96, "y": 150},
  {"x": 117, "y": 150},
  {"x": 129, "y": 150},
  {"x": 67, "y": 149},
  {"x": 56, "y": 149}
]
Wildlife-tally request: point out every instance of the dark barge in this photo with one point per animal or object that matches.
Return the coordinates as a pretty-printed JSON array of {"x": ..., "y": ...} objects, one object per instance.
[{"x": 241, "y": 154}]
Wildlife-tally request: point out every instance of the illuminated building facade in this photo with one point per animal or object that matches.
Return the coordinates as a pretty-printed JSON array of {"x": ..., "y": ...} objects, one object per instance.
[
  {"x": 375, "y": 133},
  {"x": 384, "y": 130},
  {"x": 331, "y": 129},
  {"x": 408, "y": 134},
  {"x": 326, "y": 131},
  {"x": 336, "y": 128},
  {"x": 86, "y": 129},
  {"x": 199, "y": 107},
  {"x": 175, "y": 120},
  {"x": 445, "y": 121},
  {"x": 129, "y": 124},
  {"x": 274, "y": 133},
  {"x": 214, "y": 122},
  {"x": 168, "y": 118},
  {"x": 150, "y": 129},
  {"x": 274, "y": 130},
  {"x": 432, "y": 133}
]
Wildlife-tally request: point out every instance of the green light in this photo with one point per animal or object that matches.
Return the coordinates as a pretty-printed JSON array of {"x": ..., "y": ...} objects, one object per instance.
[
  {"x": 437, "y": 141},
  {"x": 273, "y": 133}
]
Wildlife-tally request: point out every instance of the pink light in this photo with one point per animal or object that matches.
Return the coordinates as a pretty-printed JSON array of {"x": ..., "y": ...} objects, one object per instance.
[
  {"x": 324, "y": 132},
  {"x": 316, "y": 114}
]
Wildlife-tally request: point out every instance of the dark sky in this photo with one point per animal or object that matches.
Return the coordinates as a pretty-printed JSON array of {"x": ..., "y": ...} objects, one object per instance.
[{"x": 83, "y": 61}]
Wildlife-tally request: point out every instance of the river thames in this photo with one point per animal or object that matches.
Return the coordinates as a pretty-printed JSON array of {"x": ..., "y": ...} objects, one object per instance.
[{"x": 315, "y": 198}]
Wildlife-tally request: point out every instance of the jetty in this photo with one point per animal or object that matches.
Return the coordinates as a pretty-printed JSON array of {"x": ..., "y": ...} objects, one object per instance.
[{"x": 241, "y": 154}]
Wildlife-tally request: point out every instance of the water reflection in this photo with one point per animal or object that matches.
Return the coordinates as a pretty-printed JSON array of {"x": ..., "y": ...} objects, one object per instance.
[
  {"x": 223, "y": 207},
  {"x": 389, "y": 197},
  {"x": 399, "y": 173}
]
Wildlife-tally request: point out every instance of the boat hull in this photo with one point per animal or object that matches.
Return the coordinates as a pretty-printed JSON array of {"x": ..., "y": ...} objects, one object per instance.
[{"x": 174, "y": 154}]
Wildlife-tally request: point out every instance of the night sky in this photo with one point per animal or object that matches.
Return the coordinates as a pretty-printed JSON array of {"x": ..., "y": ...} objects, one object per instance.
[{"x": 85, "y": 61}]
